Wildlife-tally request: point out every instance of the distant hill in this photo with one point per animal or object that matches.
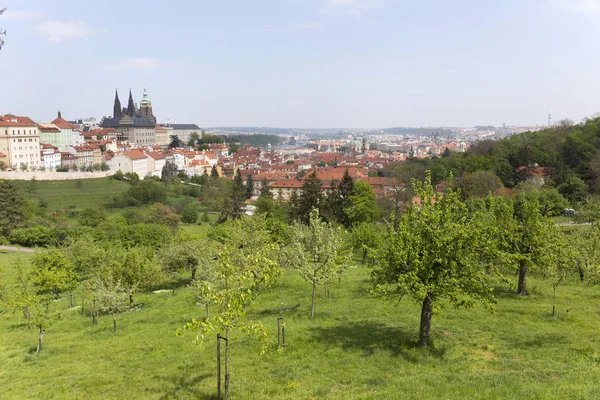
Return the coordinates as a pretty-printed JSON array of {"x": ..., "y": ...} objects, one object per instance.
[{"x": 418, "y": 131}]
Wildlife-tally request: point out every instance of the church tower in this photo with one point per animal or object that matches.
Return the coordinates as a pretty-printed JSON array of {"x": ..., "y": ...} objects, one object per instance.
[
  {"x": 131, "y": 106},
  {"x": 117, "y": 107},
  {"x": 146, "y": 107}
]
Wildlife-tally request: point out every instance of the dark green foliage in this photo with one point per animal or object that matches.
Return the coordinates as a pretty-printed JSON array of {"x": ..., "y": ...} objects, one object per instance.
[
  {"x": 311, "y": 197},
  {"x": 189, "y": 214},
  {"x": 574, "y": 189},
  {"x": 118, "y": 175},
  {"x": 147, "y": 192},
  {"x": 148, "y": 235},
  {"x": 235, "y": 202},
  {"x": 169, "y": 171},
  {"x": 249, "y": 186},
  {"x": 12, "y": 206},
  {"x": 256, "y": 140}
]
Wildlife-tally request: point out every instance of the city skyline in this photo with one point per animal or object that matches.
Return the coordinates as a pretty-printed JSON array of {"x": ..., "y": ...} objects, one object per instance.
[{"x": 305, "y": 63}]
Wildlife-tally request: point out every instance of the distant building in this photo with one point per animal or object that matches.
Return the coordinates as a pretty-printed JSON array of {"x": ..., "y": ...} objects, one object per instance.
[
  {"x": 184, "y": 131},
  {"x": 163, "y": 135},
  {"x": 51, "y": 158},
  {"x": 133, "y": 124},
  {"x": 131, "y": 161},
  {"x": 20, "y": 142}
]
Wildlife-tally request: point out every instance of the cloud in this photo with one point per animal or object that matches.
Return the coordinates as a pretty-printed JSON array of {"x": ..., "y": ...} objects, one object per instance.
[
  {"x": 137, "y": 63},
  {"x": 21, "y": 15},
  {"x": 59, "y": 31},
  {"x": 584, "y": 6},
  {"x": 353, "y": 7}
]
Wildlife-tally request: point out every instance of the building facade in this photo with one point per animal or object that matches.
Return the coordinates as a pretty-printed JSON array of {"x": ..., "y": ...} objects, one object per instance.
[
  {"x": 134, "y": 125},
  {"x": 20, "y": 142}
]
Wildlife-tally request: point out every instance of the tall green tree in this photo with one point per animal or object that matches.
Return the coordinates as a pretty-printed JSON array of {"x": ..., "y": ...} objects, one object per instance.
[
  {"x": 54, "y": 273},
  {"x": 190, "y": 252},
  {"x": 112, "y": 297},
  {"x": 362, "y": 205},
  {"x": 234, "y": 204},
  {"x": 12, "y": 211},
  {"x": 311, "y": 197},
  {"x": 249, "y": 186},
  {"x": 436, "y": 253}
]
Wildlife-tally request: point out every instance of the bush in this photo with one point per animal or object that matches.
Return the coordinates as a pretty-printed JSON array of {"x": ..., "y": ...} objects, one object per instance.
[
  {"x": 118, "y": 175},
  {"x": 205, "y": 218},
  {"x": 189, "y": 214},
  {"x": 151, "y": 235},
  {"x": 37, "y": 236},
  {"x": 91, "y": 216}
]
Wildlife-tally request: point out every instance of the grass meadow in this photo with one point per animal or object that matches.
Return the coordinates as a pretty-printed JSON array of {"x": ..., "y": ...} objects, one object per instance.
[
  {"x": 74, "y": 194},
  {"x": 357, "y": 347}
]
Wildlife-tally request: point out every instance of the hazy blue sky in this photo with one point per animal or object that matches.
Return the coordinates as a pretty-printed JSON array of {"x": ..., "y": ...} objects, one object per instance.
[{"x": 305, "y": 63}]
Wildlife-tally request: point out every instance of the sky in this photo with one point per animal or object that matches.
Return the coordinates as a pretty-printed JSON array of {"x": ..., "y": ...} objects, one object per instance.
[{"x": 305, "y": 63}]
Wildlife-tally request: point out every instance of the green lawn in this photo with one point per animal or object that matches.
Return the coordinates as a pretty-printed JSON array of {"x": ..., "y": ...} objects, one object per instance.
[
  {"x": 73, "y": 193},
  {"x": 358, "y": 347}
]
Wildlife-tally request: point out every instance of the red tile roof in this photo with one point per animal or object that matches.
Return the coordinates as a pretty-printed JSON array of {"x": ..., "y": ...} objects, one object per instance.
[
  {"x": 63, "y": 124},
  {"x": 14, "y": 120},
  {"x": 135, "y": 154}
]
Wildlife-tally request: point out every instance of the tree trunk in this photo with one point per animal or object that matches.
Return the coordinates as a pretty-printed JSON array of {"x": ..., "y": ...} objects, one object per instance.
[
  {"x": 193, "y": 273},
  {"x": 314, "y": 297},
  {"x": 114, "y": 322},
  {"x": 581, "y": 272},
  {"x": 39, "y": 348},
  {"x": 522, "y": 288},
  {"x": 130, "y": 299},
  {"x": 364, "y": 256},
  {"x": 226, "y": 363},
  {"x": 426, "y": 314},
  {"x": 206, "y": 304}
]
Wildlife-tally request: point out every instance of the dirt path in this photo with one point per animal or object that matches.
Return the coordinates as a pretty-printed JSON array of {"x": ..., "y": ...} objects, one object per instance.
[{"x": 13, "y": 248}]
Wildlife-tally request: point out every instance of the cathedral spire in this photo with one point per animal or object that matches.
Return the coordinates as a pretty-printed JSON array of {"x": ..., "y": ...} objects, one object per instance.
[
  {"x": 131, "y": 105},
  {"x": 117, "y": 107}
]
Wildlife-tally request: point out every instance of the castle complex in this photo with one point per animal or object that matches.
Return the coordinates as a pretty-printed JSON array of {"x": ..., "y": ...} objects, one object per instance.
[{"x": 134, "y": 124}]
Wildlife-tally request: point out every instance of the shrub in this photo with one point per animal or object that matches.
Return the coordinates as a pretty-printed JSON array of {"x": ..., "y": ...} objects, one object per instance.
[
  {"x": 189, "y": 214},
  {"x": 36, "y": 236}
]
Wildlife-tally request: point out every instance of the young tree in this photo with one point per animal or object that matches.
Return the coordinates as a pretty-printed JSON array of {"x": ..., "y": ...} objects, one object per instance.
[
  {"x": 169, "y": 171},
  {"x": 112, "y": 297},
  {"x": 265, "y": 190},
  {"x": 342, "y": 200},
  {"x": 241, "y": 277},
  {"x": 213, "y": 172},
  {"x": 525, "y": 236},
  {"x": 316, "y": 252},
  {"x": 135, "y": 268},
  {"x": 436, "y": 253},
  {"x": 192, "y": 253},
  {"x": 366, "y": 239},
  {"x": 53, "y": 273}
]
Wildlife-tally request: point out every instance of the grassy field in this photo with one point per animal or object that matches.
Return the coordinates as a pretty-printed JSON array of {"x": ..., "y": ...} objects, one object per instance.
[
  {"x": 358, "y": 347},
  {"x": 74, "y": 193}
]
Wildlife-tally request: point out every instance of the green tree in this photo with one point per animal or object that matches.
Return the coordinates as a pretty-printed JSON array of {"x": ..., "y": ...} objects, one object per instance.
[
  {"x": 311, "y": 197},
  {"x": 213, "y": 172},
  {"x": 366, "y": 240},
  {"x": 112, "y": 297},
  {"x": 435, "y": 254},
  {"x": 135, "y": 268},
  {"x": 249, "y": 186},
  {"x": 362, "y": 205},
  {"x": 190, "y": 252},
  {"x": 160, "y": 214},
  {"x": 189, "y": 214},
  {"x": 194, "y": 137},
  {"x": 316, "y": 252},
  {"x": 241, "y": 277},
  {"x": 91, "y": 216},
  {"x": 478, "y": 184},
  {"x": 574, "y": 189},
  {"x": 12, "y": 214},
  {"x": 234, "y": 204},
  {"x": 169, "y": 171},
  {"x": 525, "y": 236},
  {"x": 54, "y": 273}
]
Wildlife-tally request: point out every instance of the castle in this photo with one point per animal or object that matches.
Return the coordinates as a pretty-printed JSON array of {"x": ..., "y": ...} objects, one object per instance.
[{"x": 133, "y": 124}]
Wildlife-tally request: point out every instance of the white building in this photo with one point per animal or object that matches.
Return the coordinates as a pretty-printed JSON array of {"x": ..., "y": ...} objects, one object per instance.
[
  {"x": 51, "y": 157},
  {"x": 156, "y": 162},
  {"x": 131, "y": 161},
  {"x": 20, "y": 142}
]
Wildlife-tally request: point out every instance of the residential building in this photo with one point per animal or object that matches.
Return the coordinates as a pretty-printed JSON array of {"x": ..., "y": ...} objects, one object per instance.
[
  {"x": 162, "y": 135},
  {"x": 20, "y": 142},
  {"x": 131, "y": 161},
  {"x": 51, "y": 157}
]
